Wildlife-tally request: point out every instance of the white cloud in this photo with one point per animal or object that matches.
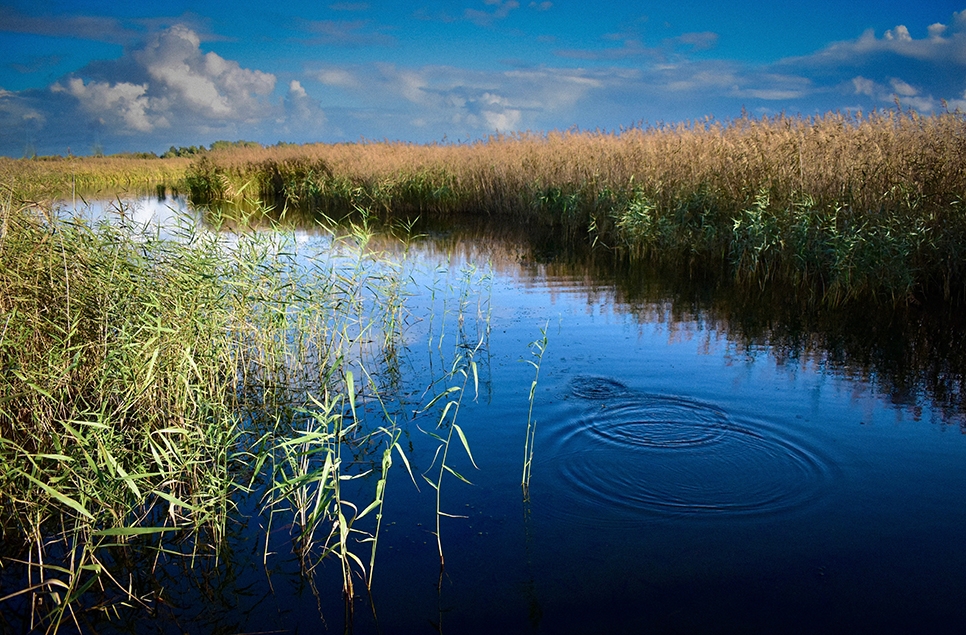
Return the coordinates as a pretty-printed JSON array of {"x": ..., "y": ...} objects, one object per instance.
[
  {"x": 920, "y": 72},
  {"x": 902, "y": 88},
  {"x": 936, "y": 31},
  {"x": 167, "y": 90},
  {"x": 123, "y": 105},
  {"x": 167, "y": 81},
  {"x": 506, "y": 101},
  {"x": 900, "y": 33},
  {"x": 462, "y": 102},
  {"x": 863, "y": 86},
  {"x": 942, "y": 44},
  {"x": 302, "y": 114},
  {"x": 204, "y": 83},
  {"x": 337, "y": 77},
  {"x": 296, "y": 91},
  {"x": 17, "y": 115},
  {"x": 408, "y": 84},
  {"x": 909, "y": 96}
]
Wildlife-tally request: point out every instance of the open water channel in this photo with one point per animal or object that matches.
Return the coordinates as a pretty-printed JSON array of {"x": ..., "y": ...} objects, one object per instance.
[{"x": 705, "y": 461}]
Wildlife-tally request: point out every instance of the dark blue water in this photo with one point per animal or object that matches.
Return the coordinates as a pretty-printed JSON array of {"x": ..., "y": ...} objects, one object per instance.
[{"x": 696, "y": 469}]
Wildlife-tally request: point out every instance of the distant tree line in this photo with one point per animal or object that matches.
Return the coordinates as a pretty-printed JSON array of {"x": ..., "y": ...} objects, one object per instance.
[
  {"x": 191, "y": 151},
  {"x": 179, "y": 151}
]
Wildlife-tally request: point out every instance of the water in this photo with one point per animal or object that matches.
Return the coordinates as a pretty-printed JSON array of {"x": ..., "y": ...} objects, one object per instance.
[
  {"x": 161, "y": 213},
  {"x": 704, "y": 461}
]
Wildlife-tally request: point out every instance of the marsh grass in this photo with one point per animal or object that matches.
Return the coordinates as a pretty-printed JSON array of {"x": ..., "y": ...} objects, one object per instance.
[
  {"x": 148, "y": 381},
  {"x": 51, "y": 177},
  {"x": 843, "y": 207}
]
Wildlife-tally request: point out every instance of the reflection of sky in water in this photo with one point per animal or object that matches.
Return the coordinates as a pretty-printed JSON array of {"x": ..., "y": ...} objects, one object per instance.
[
  {"x": 149, "y": 212},
  {"x": 170, "y": 217}
]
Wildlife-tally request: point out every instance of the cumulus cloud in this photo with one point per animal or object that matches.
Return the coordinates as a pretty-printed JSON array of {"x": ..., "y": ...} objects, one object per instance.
[
  {"x": 936, "y": 31},
  {"x": 122, "y": 105},
  {"x": 166, "y": 89},
  {"x": 302, "y": 113},
  {"x": 920, "y": 72},
  {"x": 944, "y": 43},
  {"x": 205, "y": 84},
  {"x": 173, "y": 80}
]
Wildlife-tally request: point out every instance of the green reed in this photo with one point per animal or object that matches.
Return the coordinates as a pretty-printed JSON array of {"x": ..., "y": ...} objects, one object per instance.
[
  {"x": 116, "y": 398},
  {"x": 148, "y": 381},
  {"x": 469, "y": 335},
  {"x": 537, "y": 349},
  {"x": 464, "y": 367}
]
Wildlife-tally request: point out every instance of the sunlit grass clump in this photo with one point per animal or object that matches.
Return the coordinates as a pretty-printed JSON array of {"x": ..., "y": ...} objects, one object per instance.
[{"x": 49, "y": 177}]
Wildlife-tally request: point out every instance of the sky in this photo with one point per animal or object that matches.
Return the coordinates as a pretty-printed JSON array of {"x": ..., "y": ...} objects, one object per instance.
[{"x": 107, "y": 76}]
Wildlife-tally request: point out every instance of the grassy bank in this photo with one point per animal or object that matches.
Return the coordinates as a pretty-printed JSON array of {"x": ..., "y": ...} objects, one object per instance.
[
  {"x": 147, "y": 384},
  {"x": 842, "y": 207},
  {"x": 49, "y": 177}
]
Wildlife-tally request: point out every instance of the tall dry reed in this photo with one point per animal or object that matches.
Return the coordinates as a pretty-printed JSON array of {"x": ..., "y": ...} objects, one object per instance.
[{"x": 53, "y": 177}]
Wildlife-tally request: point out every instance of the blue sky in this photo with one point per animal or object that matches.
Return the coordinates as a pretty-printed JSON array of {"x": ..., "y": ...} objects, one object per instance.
[{"x": 143, "y": 76}]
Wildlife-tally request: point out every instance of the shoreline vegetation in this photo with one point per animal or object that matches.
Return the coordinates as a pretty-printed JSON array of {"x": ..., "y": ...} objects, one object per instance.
[
  {"x": 151, "y": 386},
  {"x": 49, "y": 178},
  {"x": 841, "y": 207}
]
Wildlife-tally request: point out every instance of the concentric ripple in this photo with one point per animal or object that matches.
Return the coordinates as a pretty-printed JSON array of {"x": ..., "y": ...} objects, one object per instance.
[
  {"x": 632, "y": 453},
  {"x": 598, "y": 388},
  {"x": 654, "y": 422}
]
